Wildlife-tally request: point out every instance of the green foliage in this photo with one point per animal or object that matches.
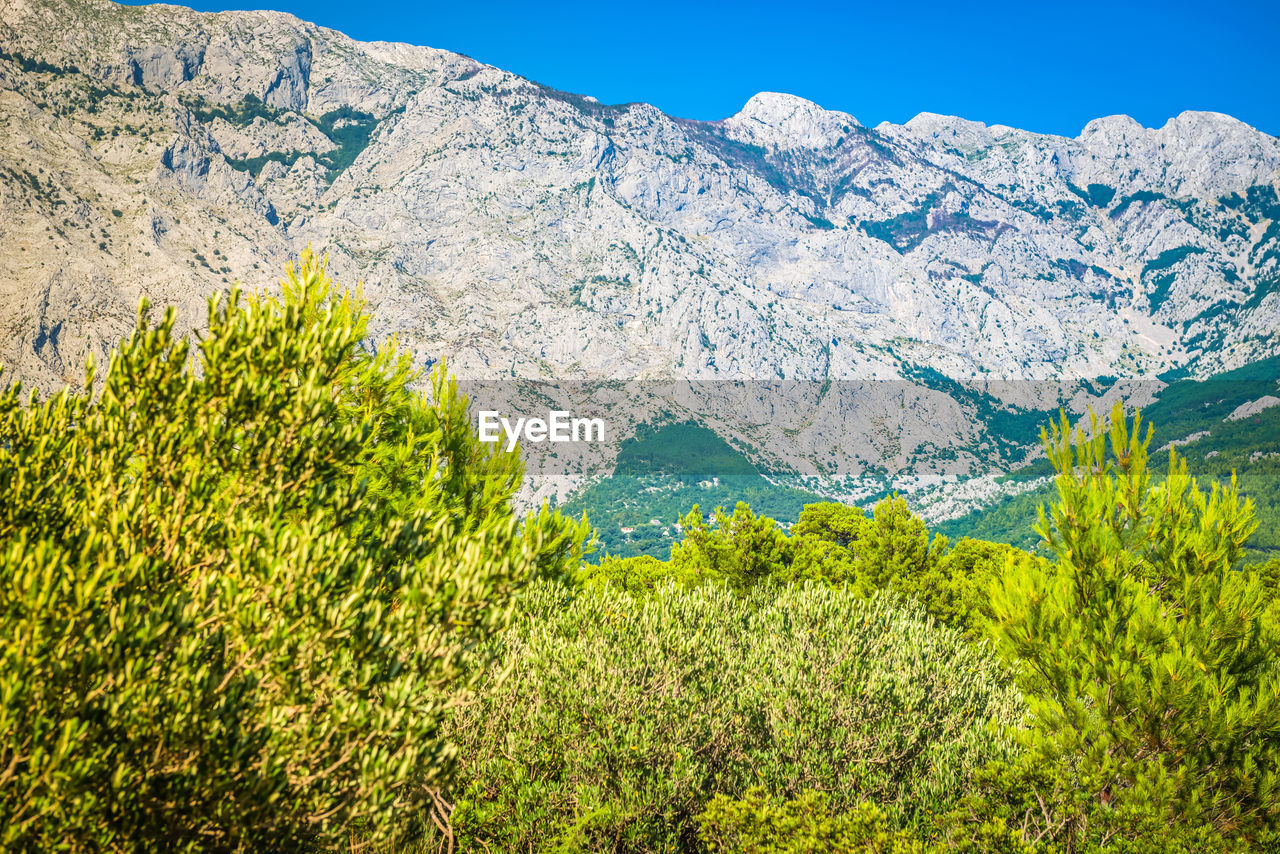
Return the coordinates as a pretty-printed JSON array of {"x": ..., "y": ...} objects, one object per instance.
[
  {"x": 834, "y": 544},
  {"x": 623, "y": 716},
  {"x": 891, "y": 550},
  {"x": 254, "y": 165},
  {"x": 909, "y": 229},
  {"x": 956, "y": 591},
  {"x": 1170, "y": 257},
  {"x": 737, "y": 551},
  {"x": 740, "y": 550},
  {"x": 240, "y": 115},
  {"x": 758, "y": 824},
  {"x": 1008, "y": 429},
  {"x": 619, "y": 502},
  {"x": 1100, "y": 195},
  {"x": 1146, "y": 658},
  {"x": 240, "y": 588},
  {"x": 1185, "y": 407},
  {"x": 1015, "y": 807},
  {"x": 350, "y": 130},
  {"x": 1259, "y": 203},
  {"x": 641, "y": 574},
  {"x": 905, "y": 231},
  {"x": 820, "y": 222},
  {"x": 684, "y": 449},
  {"x": 36, "y": 66},
  {"x": 1160, "y": 288},
  {"x": 1142, "y": 196},
  {"x": 1095, "y": 195}
]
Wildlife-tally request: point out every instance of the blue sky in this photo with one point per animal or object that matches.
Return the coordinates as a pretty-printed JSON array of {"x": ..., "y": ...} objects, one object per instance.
[{"x": 1046, "y": 67}]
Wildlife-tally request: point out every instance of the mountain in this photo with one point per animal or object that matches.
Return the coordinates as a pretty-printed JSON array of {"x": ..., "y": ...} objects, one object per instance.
[{"x": 920, "y": 282}]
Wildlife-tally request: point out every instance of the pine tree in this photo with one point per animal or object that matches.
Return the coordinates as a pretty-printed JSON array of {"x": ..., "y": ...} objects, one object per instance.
[
  {"x": 241, "y": 587},
  {"x": 1144, "y": 654}
]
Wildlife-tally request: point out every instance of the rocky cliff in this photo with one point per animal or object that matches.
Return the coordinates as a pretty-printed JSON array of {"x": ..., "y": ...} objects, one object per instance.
[{"x": 529, "y": 233}]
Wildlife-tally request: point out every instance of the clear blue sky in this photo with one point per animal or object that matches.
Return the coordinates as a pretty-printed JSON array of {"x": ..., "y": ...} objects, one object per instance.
[{"x": 1042, "y": 66}]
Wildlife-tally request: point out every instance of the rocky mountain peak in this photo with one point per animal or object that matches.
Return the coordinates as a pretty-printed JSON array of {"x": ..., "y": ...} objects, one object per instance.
[
  {"x": 1113, "y": 127},
  {"x": 1199, "y": 121},
  {"x": 787, "y": 121},
  {"x": 1195, "y": 153},
  {"x": 948, "y": 130}
]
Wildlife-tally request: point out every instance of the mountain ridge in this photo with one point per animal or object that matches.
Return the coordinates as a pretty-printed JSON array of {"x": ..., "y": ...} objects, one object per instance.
[{"x": 524, "y": 232}]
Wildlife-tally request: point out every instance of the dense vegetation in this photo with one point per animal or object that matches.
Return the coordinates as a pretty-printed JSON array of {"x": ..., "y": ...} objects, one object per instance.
[
  {"x": 1147, "y": 717},
  {"x": 259, "y": 595},
  {"x": 624, "y": 715},
  {"x": 242, "y": 585}
]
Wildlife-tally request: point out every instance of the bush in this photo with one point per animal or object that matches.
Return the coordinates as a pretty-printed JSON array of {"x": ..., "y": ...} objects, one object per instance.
[
  {"x": 624, "y": 715},
  {"x": 757, "y": 824},
  {"x": 740, "y": 551},
  {"x": 834, "y": 544},
  {"x": 891, "y": 550},
  {"x": 1147, "y": 658},
  {"x": 888, "y": 550},
  {"x": 956, "y": 590},
  {"x": 640, "y": 575},
  {"x": 240, "y": 587}
]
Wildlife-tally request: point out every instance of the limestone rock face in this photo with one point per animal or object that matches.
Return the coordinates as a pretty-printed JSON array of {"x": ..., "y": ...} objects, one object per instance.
[
  {"x": 1253, "y": 407},
  {"x": 528, "y": 233},
  {"x": 785, "y": 121},
  {"x": 159, "y": 67}
]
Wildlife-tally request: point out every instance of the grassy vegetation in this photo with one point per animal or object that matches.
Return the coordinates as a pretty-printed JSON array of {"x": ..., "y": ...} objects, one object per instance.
[
  {"x": 240, "y": 115},
  {"x": 909, "y": 229},
  {"x": 37, "y": 66},
  {"x": 1094, "y": 195},
  {"x": 1170, "y": 257},
  {"x": 1142, "y": 197},
  {"x": 350, "y": 130},
  {"x": 1010, "y": 430},
  {"x": 254, "y": 165}
]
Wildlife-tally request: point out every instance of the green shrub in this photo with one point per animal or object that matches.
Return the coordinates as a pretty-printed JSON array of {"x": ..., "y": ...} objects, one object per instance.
[
  {"x": 834, "y": 544},
  {"x": 956, "y": 589},
  {"x": 758, "y": 824},
  {"x": 624, "y": 715},
  {"x": 1100, "y": 195},
  {"x": 740, "y": 550},
  {"x": 641, "y": 574},
  {"x": 888, "y": 550},
  {"x": 239, "y": 588},
  {"x": 891, "y": 550},
  {"x": 1147, "y": 658}
]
